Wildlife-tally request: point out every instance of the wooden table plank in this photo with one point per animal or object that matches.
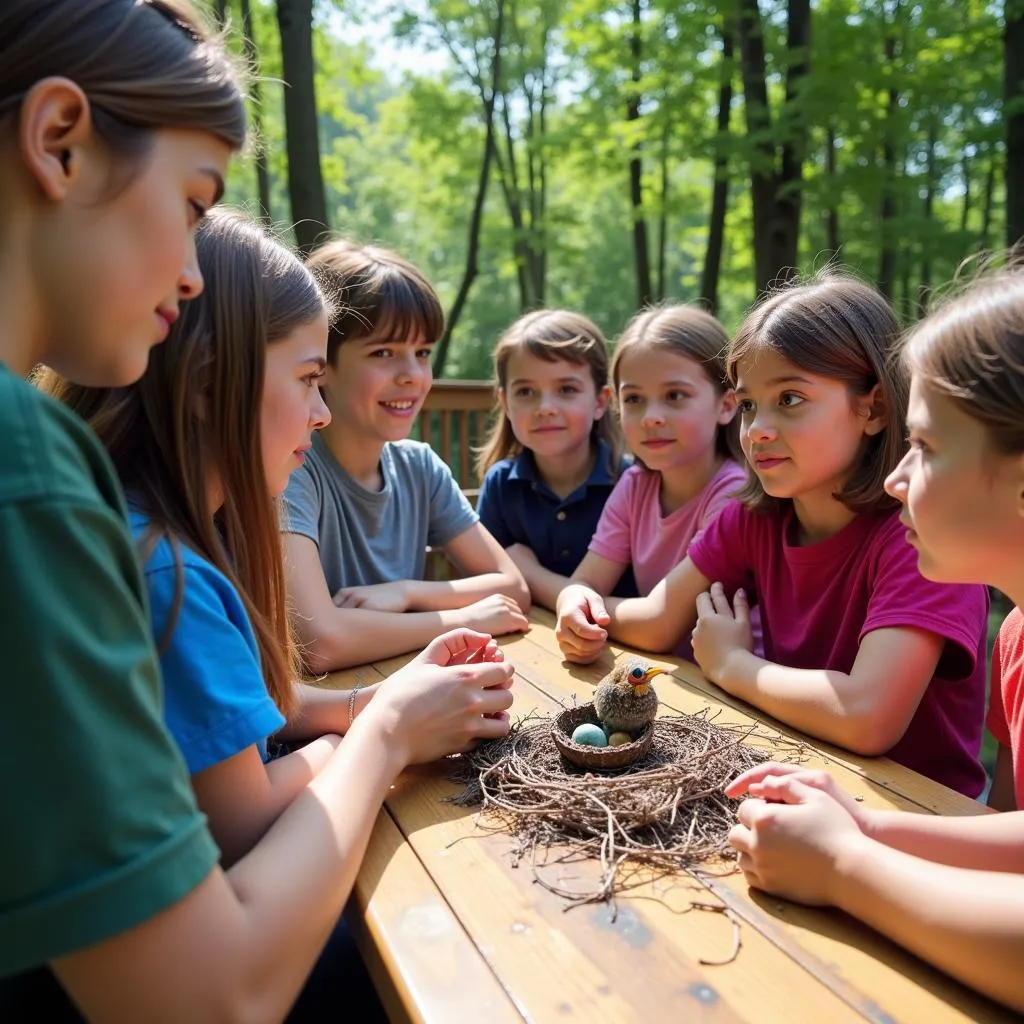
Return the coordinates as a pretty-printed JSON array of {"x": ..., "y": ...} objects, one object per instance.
[
  {"x": 891, "y": 981},
  {"x": 642, "y": 965},
  {"x": 424, "y": 965},
  {"x": 547, "y": 963}
]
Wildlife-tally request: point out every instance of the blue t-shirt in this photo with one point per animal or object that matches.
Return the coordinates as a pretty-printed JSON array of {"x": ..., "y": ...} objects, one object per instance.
[
  {"x": 519, "y": 508},
  {"x": 216, "y": 701}
]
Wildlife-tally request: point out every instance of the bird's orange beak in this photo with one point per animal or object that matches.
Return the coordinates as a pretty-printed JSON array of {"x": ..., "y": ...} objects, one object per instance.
[{"x": 648, "y": 676}]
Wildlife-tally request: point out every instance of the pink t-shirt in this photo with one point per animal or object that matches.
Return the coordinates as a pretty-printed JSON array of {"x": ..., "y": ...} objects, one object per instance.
[
  {"x": 1006, "y": 706},
  {"x": 633, "y": 530},
  {"x": 818, "y": 602}
]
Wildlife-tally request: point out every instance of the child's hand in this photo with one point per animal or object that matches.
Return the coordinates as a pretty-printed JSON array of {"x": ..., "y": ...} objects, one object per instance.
[
  {"x": 793, "y": 848},
  {"x": 720, "y": 630},
  {"x": 766, "y": 782},
  {"x": 496, "y": 614},
  {"x": 580, "y": 629},
  {"x": 453, "y": 694},
  {"x": 376, "y": 597}
]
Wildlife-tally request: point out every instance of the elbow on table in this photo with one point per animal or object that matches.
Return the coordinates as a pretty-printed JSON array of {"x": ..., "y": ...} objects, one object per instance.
[{"x": 871, "y": 735}]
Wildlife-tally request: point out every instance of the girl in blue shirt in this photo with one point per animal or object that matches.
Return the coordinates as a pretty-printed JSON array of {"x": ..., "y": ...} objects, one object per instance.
[
  {"x": 203, "y": 444},
  {"x": 553, "y": 455}
]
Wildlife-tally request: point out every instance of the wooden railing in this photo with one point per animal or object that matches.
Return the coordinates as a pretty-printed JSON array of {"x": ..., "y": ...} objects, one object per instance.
[{"x": 454, "y": 422}]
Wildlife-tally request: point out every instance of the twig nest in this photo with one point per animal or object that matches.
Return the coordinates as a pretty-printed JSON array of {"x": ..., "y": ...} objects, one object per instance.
[{"x": 563, "y": 733}]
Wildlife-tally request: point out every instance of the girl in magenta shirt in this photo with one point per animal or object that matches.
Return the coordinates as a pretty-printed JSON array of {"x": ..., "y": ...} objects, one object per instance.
[
  {"x": 950, "y": 889},
  {"x": 859, "y": 649}
]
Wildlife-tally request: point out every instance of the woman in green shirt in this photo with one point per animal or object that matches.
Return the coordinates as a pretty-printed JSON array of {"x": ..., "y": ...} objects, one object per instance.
[{"x": 117, "y": 121}]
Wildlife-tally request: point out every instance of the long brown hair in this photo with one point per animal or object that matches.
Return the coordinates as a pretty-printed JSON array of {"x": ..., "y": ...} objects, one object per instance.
[
  {"x": 376, "y": 293},
  {"x": 971, "y": 349},
  {"x": 690, "y": 332},
  {"x": 839, "y": 327},
  {"x": 195, "y": 417},
  {"x": 142, "y": 64},
  {"x": 551, "y": 335}
]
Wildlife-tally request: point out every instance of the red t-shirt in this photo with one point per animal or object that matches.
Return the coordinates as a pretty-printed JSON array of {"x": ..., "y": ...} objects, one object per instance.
[
  {"x": 819, "y": 601},
  {"x": 1006, "y": 708}
]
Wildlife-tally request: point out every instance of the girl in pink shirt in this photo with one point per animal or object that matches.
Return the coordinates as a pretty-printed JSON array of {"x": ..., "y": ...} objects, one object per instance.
[
  {"x": 859, "y": 648},
  {"x": 949, "y": 889},
  {"x": 678, "y": 417}
]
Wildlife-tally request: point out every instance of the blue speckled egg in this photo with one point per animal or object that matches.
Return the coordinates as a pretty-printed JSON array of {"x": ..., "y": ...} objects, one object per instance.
[{"x": 589, "y": 735}]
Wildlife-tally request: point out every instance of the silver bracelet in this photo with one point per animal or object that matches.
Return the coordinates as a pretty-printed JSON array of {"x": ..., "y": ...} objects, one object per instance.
[{"x": 352, "y": 706}]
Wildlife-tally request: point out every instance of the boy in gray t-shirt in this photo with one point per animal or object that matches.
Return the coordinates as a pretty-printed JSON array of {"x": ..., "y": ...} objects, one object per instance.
[{"x": 361, "y": 510}]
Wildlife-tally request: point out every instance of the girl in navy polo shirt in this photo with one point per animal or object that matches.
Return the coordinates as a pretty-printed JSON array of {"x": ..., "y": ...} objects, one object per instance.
[{"x": 553, "y": 454}]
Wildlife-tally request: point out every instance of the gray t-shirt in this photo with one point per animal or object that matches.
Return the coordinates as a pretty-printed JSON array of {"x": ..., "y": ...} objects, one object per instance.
[{"x": 369, "y": 537}]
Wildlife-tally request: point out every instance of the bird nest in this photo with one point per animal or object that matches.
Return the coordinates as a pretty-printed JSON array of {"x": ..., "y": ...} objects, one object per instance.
[
  {"x": 597, "y": 758},
  {"x": 663, "y": 814}
]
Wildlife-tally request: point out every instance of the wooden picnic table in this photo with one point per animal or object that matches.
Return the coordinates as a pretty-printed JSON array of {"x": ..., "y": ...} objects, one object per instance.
[{"x": 452, "y": 932}]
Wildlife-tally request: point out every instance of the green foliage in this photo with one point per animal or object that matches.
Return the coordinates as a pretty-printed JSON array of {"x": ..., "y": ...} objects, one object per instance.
[{"x": 401, "y": 156}]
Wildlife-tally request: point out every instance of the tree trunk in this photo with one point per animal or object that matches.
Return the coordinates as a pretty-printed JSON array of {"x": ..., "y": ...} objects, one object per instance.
[
  {"x": 987, "y": 201},
  {"x": 965, "y": 173},
  {"x": 775, "y": 183},
  {"x": 887, "y": 213},
  {"x": 666, "y": 132},
  {"x": 252, "y": 54},
  {"x": 720, "y": 191},
  {"x": 1013, "y": 91},
  {"x": 305, "y": 181},
  {"x": 473, "y": 245},
  {"x": 925, "y": 285},
  {"x": 832, "y": 213},
  {"x": 641, "y": 256}
]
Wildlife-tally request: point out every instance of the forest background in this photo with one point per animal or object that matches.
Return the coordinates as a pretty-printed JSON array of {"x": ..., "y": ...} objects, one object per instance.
[{"x": 605, "y": 154}]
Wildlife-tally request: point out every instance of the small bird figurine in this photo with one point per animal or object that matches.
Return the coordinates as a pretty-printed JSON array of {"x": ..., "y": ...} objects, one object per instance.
[{"x": 624, "y": 700}]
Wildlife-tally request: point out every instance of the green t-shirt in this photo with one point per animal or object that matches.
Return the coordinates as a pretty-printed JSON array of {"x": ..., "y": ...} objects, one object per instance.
[{"x": 100, "y": 827}]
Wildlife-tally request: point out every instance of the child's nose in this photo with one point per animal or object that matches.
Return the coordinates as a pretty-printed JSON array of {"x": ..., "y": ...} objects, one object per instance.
[
  {"x": 320, "y": 415},
  {"x": 190, "y": 280},
  {"x": 653, "y": 414},
  {"x": 897, "y": 481}
]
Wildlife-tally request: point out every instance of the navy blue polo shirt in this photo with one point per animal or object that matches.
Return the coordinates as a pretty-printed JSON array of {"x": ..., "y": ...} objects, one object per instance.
[{"x": 517, "y": 507}]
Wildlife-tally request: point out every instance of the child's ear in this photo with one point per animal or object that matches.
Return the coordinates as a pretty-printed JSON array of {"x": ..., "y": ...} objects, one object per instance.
[
  {"x": 875, "y": 411},
  {"x": 727, "y": 406},
  {"x": 502, "y": 400},
  {"x": 54, "y": 128},
  {"x": 604, "y": 397}
]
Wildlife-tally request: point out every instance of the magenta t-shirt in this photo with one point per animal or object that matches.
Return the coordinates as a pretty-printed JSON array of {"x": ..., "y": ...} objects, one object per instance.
[
  {"x": 633, "y": 530},
  {"x": 818, "y": 602}
]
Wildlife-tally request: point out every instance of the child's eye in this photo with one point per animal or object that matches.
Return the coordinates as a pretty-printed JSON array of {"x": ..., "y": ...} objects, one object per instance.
[
  {"x": 677, "y": 396},
  {"x": 312, "y": 378},
  {"x": 380, "y": 353},
  {"x": 745, "y": 406},
  {"x": 198, "y": 211},
  {"x": 630, "y": 399},
  {"x": 424, "y": 353},
  {"x": 790, "y": 401},
  {"x": 569, "y": 389},
  {"x": 523, "y": 392},
  {"x": 917, "y": 444}
]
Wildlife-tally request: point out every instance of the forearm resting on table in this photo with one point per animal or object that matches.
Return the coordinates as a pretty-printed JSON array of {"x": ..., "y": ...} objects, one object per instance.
[
  {"x": 820, "y": 702},
  {"x": 986, "y": 842},
  {"x": 346, "y": 637},
  {"x": 648, "y": 623},
  {"x": 545, "y": 585},
  {"x": 445, "y": 595},
  {"x": 240, "y": 946},
  {"x": 321, "y": 710},
  {"x": 968, "y": 923}
]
